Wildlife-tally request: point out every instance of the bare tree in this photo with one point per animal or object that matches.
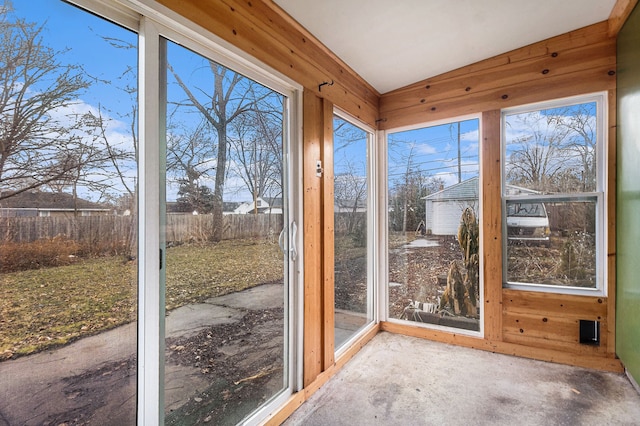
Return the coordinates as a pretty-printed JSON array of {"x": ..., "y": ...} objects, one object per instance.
[
  {"x": 537, "y": 159},
  {"x": 36, "y": 92},
  {"x": 350, "y": 189},
  {"x": 580, "y": 121},
  {"x": 553, "y": 150},
  {"x": 226, "y": 100},
  {"x": 256, "y": 147},
  {"x": 190, "y": 153}
]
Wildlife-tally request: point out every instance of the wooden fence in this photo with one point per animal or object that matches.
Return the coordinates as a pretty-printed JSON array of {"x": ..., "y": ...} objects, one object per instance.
[{"x": 117, "y": 230}]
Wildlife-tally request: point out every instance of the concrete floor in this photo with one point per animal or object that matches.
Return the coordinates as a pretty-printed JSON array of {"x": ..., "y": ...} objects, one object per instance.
[{"x": 399, "y": 380}]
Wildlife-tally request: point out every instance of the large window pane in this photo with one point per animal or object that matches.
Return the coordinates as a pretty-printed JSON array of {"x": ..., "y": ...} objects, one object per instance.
[
  {"x": 226, "y": 277},
  {"x": 68, "y": 217},
  {"x": 552, "y": 150},
  {"x": 552, "y": 190},
  {"x": 433, "y": 225},
  {"x": 353, "y": 286},
  {"x": 568, "y": 258}
]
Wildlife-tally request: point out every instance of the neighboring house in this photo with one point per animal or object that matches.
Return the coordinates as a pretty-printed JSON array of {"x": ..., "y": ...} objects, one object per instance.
[
  {"x": 444, "y": 208},
  {"x": 261, "y": 205},
  {"x": 49, "y": 204},
  {"x": 350, "y": 206}
]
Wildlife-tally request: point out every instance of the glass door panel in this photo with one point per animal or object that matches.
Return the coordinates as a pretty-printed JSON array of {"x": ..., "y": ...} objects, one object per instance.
[
  {"x": 226, "y": 276},
  {"x": 352, "y": 281},
  {"x": 68, "y": 217}
]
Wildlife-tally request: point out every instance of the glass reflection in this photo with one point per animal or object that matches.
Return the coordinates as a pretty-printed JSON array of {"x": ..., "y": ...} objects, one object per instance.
[
  {"x": 353, "y": 286},
  {"x": 226, "y": 281},
  {"x": 433, "y": 234}
]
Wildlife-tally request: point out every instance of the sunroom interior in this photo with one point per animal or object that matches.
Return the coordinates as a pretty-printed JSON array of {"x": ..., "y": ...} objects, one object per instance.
[{"x": 480, "y": 189}]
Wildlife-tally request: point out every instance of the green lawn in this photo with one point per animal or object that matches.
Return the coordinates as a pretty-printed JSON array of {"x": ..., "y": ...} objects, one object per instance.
[{"x": 49, "y": 307}]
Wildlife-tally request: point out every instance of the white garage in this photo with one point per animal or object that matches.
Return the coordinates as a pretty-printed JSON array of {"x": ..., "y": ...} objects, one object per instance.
[{"x": 444, "y": 208}]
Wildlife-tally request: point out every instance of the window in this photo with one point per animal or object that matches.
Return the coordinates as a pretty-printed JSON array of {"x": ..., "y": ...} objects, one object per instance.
[
  {"x": 353, "y": 246},
  {"x": 433, "y": 233},
  {"x": 553, "y": 194},
  {"x": 68, "y": 279}
]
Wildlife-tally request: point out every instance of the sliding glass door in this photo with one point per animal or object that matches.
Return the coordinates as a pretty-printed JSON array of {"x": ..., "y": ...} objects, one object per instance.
[
  {"x": 227, "y": 269},
  {"x": 147, "y": 244}
]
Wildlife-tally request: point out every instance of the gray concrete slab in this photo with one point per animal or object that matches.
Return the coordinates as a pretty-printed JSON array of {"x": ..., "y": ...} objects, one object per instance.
[
  {"x": 191, "y": 319},
  {"x": 265, "y": 296},
  {"x": 102, "y": 367},
  {"x": 399, "y": 380}
]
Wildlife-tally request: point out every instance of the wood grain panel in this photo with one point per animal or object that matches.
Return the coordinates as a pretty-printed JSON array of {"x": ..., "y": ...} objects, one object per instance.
[
  {"x": 312, "y": 141},
  {"x": 552, "y": 304},
  {"x": 619, "y": 14},
  {"x": 559, "y": 332},
  {"x": 586, "y": 36},
  {"x": 557, "y": 345},
  {"x": 290, "y": 33},
  {"x": 264, "y": 31},
  {"x": 328, "y": 237},
  {"x": 522, "y": 72},
  {"x": 491, "y": 230},
  {"x": 544, "y": 354},
  {"x": 553, "y": 87},
  {"x": 575, "y": 63}
]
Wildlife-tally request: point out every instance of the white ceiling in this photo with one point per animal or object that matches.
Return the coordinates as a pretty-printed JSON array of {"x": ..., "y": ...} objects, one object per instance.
[{"x": 393, "y": 43}]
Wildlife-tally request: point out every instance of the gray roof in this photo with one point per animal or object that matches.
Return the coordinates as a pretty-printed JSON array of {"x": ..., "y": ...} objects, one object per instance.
[
  {"x": 465, "y": 190},
  {"x": 468, "y": 190},
  {"x": 47, "y": 200}
]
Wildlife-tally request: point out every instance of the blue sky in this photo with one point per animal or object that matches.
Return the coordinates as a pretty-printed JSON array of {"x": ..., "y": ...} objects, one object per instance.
[
  {"x": 434, "y": 151},
  {"x": 67, "y": 27}
]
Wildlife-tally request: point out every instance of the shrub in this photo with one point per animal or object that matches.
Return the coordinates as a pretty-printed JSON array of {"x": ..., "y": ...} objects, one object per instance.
[{"x": 57, "y": 251}]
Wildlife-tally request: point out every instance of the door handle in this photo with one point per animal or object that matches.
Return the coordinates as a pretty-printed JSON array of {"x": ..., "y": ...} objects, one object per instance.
[
  {"x": 280, "y": 240},
  {"x": 293, "y": 254}
]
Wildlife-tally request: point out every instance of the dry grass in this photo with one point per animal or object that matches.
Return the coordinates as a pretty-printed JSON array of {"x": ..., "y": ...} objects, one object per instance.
[
  {"x": 197, "y": 272},
  {"x": 48, "y": 307}
]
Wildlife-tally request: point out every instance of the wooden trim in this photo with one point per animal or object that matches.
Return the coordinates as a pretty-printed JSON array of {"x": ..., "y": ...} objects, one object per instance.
[
  {"x": 312, "y": 140},
  {"x": 328, "y": 255},
  {"x": 357, "y": 345},
  {"x": 264, "y": 31},
  {"x": 541, "y": 354},
  {"x": 284, "y": 411},
  {"x": 320, "y": 52},
  {"x": 491, "y": 229},
  {"x": 619, "y": 14}
]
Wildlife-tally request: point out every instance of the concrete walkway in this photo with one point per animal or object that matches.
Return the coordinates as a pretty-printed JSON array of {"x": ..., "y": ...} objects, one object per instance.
[
  {"x": 399, "y": 380},
  {"x": 101, "y": 369}
]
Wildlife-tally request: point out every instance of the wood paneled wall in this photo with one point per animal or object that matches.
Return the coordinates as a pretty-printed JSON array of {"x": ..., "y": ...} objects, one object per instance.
[
  {"x": 263, "y": 30},
  {"x": 536, "y": 325},
  {"x": 579, "y": 62}
]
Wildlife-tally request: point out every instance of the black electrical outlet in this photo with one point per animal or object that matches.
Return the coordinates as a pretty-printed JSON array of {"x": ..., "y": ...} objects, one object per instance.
[{"x": 590, "y": 332}]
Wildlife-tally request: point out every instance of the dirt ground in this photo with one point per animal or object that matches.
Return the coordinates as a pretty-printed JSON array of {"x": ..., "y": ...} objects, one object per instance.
[
  {"x": 419, "y": 273},
  {"x": 243, "y": 362},
  {"x": 217, "y": 375}
]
